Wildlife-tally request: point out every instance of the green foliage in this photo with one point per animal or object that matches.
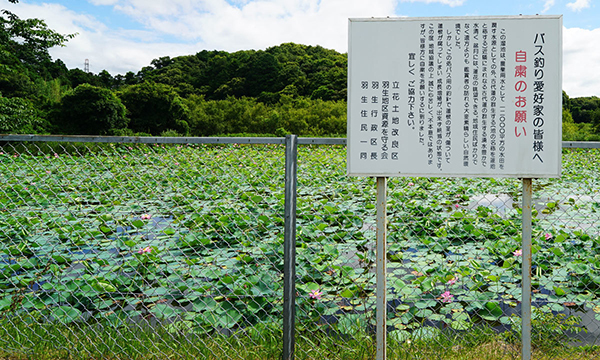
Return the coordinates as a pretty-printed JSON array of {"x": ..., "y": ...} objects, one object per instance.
[
  {"x": 312, "y": 117},
  {"x": 311, "y": 70},
  {"x": 567, "y": 118},
  {"x": 77, "y": 77},
  {"x": 15, "y": 83},
  {"x": 586, "y": 110},
  {"x": 170, "y": 133},
  {"x": 34, "y": 37},
  {"x": 227, "y": 241},
  {"x": 581, "y": 118},
  {"x": 24, "y": 43},
  {"x": 154, "y": 108},
  {"x": 299, "y": 115},
  {"x": 289, "y": 88},
  {"x": 572, "y": 131},
  {"x": 18, "y": 116},
  {"x": 228, "y": 116},
  {"x": 52, "y": 91},
  {"x": 213, "y": 256},
  {"x": 91, "y": 110},
  {"x": 178, "y": 341},
  {"x": 549, "y": 331}
]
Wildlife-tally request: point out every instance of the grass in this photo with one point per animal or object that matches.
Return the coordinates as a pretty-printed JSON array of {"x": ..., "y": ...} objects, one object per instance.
[{"x": 19, "y": 340}]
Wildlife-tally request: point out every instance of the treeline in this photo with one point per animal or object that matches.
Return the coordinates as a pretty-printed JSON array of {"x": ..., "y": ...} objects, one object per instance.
[
  {"x": 289, "y": 88},
  {"x": 581, "y": 118}
]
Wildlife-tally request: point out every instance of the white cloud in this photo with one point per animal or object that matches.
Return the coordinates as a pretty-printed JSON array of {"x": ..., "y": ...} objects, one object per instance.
[
  {"x": 581, "y": 55},
  {"x": 198, "y": 25},
  {"x": 256, "y": 24},
  {"x": 103, "y": 2},
  {"x": 117, "y": 51},
  {"x": 579, "y": 5},
  {"x": 57, "y": 17},
  {"x": 547, "y": 5},
  {"x": 450, "y": 3},
  {"x": 143, "y": 9}
]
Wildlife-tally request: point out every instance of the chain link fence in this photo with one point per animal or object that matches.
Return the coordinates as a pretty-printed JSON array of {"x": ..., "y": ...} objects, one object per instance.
[
  {"x": 453, "y": 259},
  {"x": 174, "y": 249},
  {"x": 133, "y": 237}
]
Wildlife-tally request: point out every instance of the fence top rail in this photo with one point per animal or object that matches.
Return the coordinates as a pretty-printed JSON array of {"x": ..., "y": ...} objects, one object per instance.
[
  {"x": 581, "y": 144},
  {"x": 167, "y": 140},
  {"x": 213, "y": 140},
  {"x": 142, "y": 139}
]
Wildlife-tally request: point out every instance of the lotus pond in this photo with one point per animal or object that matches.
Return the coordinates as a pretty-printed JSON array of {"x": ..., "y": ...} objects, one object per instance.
[{"x": 192, "y": 237}]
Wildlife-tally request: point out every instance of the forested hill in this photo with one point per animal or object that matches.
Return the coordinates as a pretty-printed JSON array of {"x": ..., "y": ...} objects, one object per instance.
[
  {"x": 581, "y": 118},
  {"x": 299, "y": 70},
  {"x": 286, "y": 88},
  {"x": 290, "y": 88}
]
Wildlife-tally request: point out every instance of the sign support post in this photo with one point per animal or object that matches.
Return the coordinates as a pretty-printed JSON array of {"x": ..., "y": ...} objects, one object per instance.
[
  {"x": 381, "y": 267},
  {"x": 473, "y": 96},
  {"x": 526, "y": 271},
  {"x": 289, "y": 247}
]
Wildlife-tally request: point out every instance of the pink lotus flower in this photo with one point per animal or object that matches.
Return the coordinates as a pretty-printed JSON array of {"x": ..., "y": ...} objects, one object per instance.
[
  {"x": 315, "y": 294},
  {"x": 548, "y": 236},
  {"x": 447, "y": 297},
  {"x": 456, "y": 206},
  {"x": 451, "y": 281},
  {"x": 518, "y": 252},
  {"x": 147, "y": 249},
  {"x": 145, "y": 216},
  {"x": 411, "y": 184}
]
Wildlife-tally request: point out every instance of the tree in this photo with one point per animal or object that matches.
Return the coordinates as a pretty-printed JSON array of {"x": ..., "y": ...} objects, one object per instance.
[
  {"x": 91, "y": 110},
  {"x": 28, "y": 40},
  {"x": 566, "y": 101},
  {"x": 323, "y": 93},
  {"x": 18, "y": 116},
  {"x": 106, "y": 80},
  {"x": 15, "y": 83},
  {"x": 77, "y": 77},
  {"x": 153, "y": 108},
  {"x": 24, "y": 56},
  {"x": 261, "y": 71}
]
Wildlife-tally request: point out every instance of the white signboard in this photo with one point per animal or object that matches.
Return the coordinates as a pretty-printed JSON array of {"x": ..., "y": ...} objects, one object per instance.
[{"x": 455, "y": 96}]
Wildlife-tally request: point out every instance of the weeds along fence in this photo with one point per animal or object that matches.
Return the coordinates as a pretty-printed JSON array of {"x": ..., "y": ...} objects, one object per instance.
[{"x": 174, "y": 248}]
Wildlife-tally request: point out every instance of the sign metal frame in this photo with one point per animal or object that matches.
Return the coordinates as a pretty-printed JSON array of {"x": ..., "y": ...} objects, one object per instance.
[{"x": 431, "y": 143}]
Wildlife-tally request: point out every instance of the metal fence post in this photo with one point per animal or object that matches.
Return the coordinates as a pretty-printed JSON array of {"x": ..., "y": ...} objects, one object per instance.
[
  {"x": 526, "y": 272},
  {"x": 381, "y": 302},
  {"x": 289, "y": 247}
]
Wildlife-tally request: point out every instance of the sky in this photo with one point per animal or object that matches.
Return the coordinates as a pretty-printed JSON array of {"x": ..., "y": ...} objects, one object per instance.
[{"x": 126, "y": 35}]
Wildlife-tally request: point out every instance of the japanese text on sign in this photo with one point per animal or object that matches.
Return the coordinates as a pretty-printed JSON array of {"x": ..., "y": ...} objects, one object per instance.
[{"x": 469, "y": 96}]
